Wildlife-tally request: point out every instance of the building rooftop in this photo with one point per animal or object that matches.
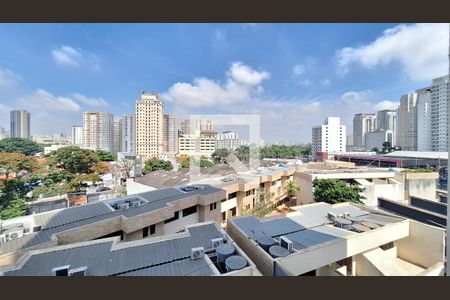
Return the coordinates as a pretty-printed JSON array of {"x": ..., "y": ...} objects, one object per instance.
[
  {"x": 419, "y": 154},
  {"x": 57, "y": 221},
  {"x": 309, "y": 226},
  {"x": 160, "y": 256}
]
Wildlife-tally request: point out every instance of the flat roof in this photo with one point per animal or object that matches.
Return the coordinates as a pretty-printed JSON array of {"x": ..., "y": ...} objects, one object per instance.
[
  {"x": 147, "y": 257},
  {"x": 73, "y": 217},
  {"x": 419, "y": 154},
  {"x": 309, "y": 226}
]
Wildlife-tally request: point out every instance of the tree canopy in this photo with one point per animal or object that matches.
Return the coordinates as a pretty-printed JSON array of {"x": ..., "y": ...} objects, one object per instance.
[
  {"x": 104, "y": 155},
  {"x": 292, "y": 188},
  {"x": 153, "y": 164},
  {"x": 336, "y": 191},
  {"x": 73, "y": 159},
  {"x": 18, "y": 145},
  {"x": 17, "y": 163}
]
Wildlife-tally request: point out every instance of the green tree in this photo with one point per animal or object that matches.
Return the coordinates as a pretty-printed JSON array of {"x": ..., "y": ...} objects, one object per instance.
[
  {"x": 336, "y": 191},
  {"x": 104, "y": 155},
  {"x": 220, "y": 155},
  {"x": 375, "y": 149},
  {"x": 23, "y": 146},
  {"x": 73, "y": 159},
  {"x": 18, "y": 163},
  {"x": 153, "y": 164},
  {"x": 387, "y": 147},
  {"x": 291, "y": 189}
]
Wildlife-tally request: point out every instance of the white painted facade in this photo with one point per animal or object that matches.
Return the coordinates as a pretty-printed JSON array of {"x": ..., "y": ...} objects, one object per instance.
[
  {"x": 98, "y": 130},
  {"x": 77, "y": 136},
  {"x": 330, "y": 137},
  {"x": 424, "y": 120}
]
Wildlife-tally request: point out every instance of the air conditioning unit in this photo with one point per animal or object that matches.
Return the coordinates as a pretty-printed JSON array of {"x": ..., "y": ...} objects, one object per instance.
[
  {"x": 78, "y": 272},
  {"x": 197, "y": 253},
  {"x": 123, "y": 206},
  {"x": 216, "y": 242},
  {"x": 331, "y": 215},
  {"x": 15, "y": 235},
  {"x": 286, "y": 243},
  {"x": 346, "y": 214}
]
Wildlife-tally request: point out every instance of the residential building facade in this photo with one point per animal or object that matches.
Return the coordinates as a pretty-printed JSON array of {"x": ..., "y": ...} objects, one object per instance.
[
  {"x": 149, "y": 126},
  {"x": 171, "y": 132},
  {"x": 20, "y": 124},
  {"x": 330, "y": 137},
  {"x": 362, "y": 124},
  {"x": 201, "y": 143},
  {"x": 228, "y": 140},
  {"x": 117, "y": 136},
  {"x": 98, "y": 130},
  {"x": 387, "y": 120},
  {"x": 128, "y": 133},
  {"x": 376, "y": 139},
  {"x": 407, "y": 122},
  {"x": 424, "y": 132},
  {"x": 77, "y": 135},
  {"x": 439, "y": 113}
]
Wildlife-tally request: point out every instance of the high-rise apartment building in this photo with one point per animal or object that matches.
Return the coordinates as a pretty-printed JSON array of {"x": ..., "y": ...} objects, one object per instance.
[
  {"x": 376, "y": 139},
  {"x": 117, "y": 136},
  {"x": 424, "y": 120},
  {"x": 171, "y": 132},
  {"x": 227, "y": 140},
  {"x": 407, "y": 122},
  {"x": 200, "y": 143},
  {"x": 439, "y": 113},
  {"x": 98, "y": 130},
  {"x": 387, "y": 120},
  {"x": 128, "y": 133},
  {"x": 190, "y": 126},
  {"x": 330, "y": 137},
  {"x": 3, "y": 133},
  {"x": 149, "y": 126},
  {"x": 20, "y": 124},
  {"x": 77, "y": 135},
  {"x": 362, "y": 124}
]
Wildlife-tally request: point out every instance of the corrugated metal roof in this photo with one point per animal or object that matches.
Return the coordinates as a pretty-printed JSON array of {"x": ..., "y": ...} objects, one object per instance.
[{"x": 163, "y": 258}]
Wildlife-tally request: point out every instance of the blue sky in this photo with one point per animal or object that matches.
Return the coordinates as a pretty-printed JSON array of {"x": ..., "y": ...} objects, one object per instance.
[{"x": 293, "y": 75}]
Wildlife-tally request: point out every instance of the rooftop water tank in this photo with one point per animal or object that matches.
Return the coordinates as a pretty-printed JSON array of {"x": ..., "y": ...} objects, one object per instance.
[
  {"x": 266, "y": 242},
  {"x": 235, "y": 262},
  {"x": 360, "y": 228},
  {"x": 342, "y": 223},
  {"x": 278, "y": 251},
  {"x": 224, "y": 251}
]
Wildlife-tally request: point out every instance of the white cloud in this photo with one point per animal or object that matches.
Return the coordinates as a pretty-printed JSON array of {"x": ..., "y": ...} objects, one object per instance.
[
  {"x": 89, "y": 101},
  {"x": 422, "y": 50},
  {"x": 298, "y": 70},
  {"x": 8, "y": 78},
  {"x": 353, "y": 98},
  {"x": 44, "y": 101},
  {"x": 242, "y": 82},
  {"x": 386, "y": 105},
  {"x": 67, "y": 56}
]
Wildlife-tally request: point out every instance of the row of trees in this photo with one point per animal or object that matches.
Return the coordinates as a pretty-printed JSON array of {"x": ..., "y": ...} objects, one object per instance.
[
  {"x": 273, "y": 151},
  {"x": 387, "y": 148}
]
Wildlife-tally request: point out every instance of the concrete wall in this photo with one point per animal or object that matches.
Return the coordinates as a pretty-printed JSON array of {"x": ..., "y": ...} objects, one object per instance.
[
  {"x": 327, "y": 271},
  {"x": 415, "y": 250},
  {"x": 134, "y": 187},
  {"x": 181, "y": 223}
]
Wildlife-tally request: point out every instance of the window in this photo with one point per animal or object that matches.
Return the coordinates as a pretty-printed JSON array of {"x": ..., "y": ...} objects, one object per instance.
[
  {"x": 213, "y": 206},
  {"x": 152, "y": 229},
  {"x": 224, "y": 216},
  {"x": 175, "y": 217},
  {"x": 145, "y": 232},
  {"x": 233, "y": 211},
  {"x": 189, "y": 211},
  {"x": 232, "y": 195},
  {"x": 250, "y": 192},
  {"x": 247, "y": 207}
]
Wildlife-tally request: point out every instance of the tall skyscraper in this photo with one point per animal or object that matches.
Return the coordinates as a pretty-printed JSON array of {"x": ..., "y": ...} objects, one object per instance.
[
  {"x": 20, "y": 124},
  {"x": 128, "y": 133},
  {"x": 171, "y": 132},
  {"x": 77, "y": 135},
  {"x": 149, "y": 123},
  {"x": 330, "y": 137},
  {"x": 387, "y": 120},
  {"x": 98, "y": 130},
  {"x": 407, "y": 122},
  {"x": 424, "y": 131},
  {"x": 439, "y": 113},
  {"x": 362, "y": 124},
  {"x": 117, "y": 136}
]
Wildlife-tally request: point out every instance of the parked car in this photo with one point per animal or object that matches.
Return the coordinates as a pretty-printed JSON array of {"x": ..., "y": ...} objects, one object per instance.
[{"x": 102, "y": 189}]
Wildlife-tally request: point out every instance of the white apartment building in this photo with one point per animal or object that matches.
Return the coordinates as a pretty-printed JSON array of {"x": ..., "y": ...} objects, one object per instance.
[
  {"x": 424, "y": 132},
  {"x": 201, "y": 143},
  {"x": 128, "y": 132},
  {"x": 98, "y": 130},
  {"x": 149, "y": 126},
  {"x": 20, "y": 124},
  {"x": 387, "y": 120},
  {"x": 117, "y": 136},
  {"x": 407, "y": 122},
  {"x": 362, "y": 124},
  {"x": 377, "y": 138},
  {"x": 439, "y": 113},
  {"x": 77, "y": 135},
  {"x": 3, "y": 133},
  {"x": 171, "y": 129},
  {"x": 228, "y": 140},
  {"x": 330, "y": 137}
]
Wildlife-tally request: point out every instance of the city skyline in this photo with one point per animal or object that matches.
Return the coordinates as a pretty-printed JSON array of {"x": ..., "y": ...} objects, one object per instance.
[{"x": 309, "y": 71}]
